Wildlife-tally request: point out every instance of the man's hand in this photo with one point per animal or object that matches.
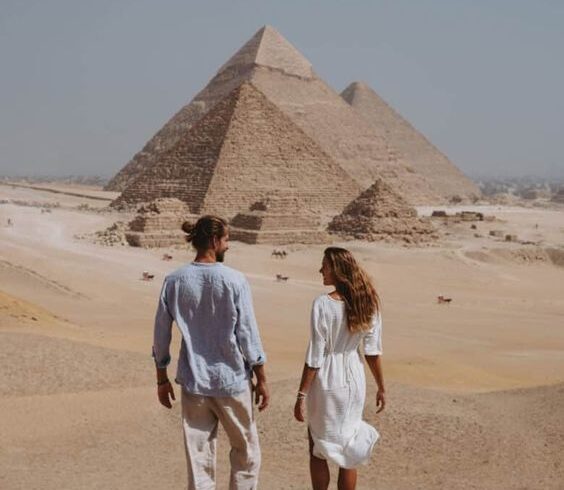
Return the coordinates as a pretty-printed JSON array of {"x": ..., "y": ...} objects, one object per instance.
[
  {"x": 163, "y": 392},
  {"x": 299, "y": 414},
  {"x": 262, "y": 396},
  {"x": 380, "y": 401}
]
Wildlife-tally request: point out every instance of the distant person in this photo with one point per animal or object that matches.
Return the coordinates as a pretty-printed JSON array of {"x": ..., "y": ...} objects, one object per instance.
[
  {"x": 10, "y": 222},
  {"x": 221, "y": 350},
  {"x": 333, "y": 386}
]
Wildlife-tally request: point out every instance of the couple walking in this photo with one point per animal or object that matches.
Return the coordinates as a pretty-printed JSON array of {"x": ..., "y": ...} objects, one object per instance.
[{"x": 221, "y": 355}]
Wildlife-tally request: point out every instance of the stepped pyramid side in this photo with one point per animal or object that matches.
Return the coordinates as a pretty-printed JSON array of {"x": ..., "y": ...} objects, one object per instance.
[
  {"x": 285, "y": 77},
  {"x": 267, "y": 48},
  {"x": 185, "y": 170},
  {"x": 419, "y": 152},
  {"x": 158, "y": 224},
  {"x": 242, "y": 151},
  {"x": 379, "y": 213},
  {"x": 279, "y": 219}
]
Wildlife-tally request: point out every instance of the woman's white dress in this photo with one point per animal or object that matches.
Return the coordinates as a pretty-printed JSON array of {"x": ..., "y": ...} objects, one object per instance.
[{"x": 335, "y": 400}]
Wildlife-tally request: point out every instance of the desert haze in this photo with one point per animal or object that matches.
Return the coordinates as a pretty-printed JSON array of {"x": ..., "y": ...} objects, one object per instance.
[{"x": 475, "y": 385}]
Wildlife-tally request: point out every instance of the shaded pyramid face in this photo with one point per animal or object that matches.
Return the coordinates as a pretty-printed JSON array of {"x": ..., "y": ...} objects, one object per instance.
[
  {"x": 381, "y": 213},
  {"x": 244, "y": 150},
  {"x": 444, "y": 177},
  {"x": 286, "y": 78}
]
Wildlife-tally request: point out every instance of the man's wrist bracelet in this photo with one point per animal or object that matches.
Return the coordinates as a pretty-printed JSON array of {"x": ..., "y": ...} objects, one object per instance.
[
  {"x": 163, "y": 382},
  {"x": 301, "y": 395}
]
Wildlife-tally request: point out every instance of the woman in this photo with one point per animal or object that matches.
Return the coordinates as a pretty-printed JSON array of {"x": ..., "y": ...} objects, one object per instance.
[{"x": 333, "y": 384}]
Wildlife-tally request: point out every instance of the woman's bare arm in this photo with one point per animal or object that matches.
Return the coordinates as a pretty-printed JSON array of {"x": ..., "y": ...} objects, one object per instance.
[
  {"x": 375, "y": 365},
  {"x": 308, "y": 375}
]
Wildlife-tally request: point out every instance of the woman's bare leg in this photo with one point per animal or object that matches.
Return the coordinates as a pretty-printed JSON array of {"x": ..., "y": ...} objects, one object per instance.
[
  {"x": 347, "y": 479},
  {"x": 318, "y": 469}
]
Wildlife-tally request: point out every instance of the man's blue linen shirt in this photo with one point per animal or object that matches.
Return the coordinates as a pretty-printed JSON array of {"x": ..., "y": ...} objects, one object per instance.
[{"x": 212, "y": 306}]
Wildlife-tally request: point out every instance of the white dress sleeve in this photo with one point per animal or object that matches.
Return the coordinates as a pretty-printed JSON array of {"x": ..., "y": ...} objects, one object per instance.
[
  {"x": 315, "y": 354},
  {"x": 372, "y": 341}
]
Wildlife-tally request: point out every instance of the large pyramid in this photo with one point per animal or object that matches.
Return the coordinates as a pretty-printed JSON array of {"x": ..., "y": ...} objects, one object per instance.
[
  {"x": 287, "y": 80},
  {"x": 242, "y": 151},
  {"x": 379, "y": 213},
  {"x": 421, "y": 154}
]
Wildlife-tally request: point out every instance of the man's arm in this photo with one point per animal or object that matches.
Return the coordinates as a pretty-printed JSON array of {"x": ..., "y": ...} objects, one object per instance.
[
  {"x": 246, "y": 329},
  {"x": 162, "y": 336},
  {"x": 262, "y": 394},
  {"x": 248, "y": 339}
]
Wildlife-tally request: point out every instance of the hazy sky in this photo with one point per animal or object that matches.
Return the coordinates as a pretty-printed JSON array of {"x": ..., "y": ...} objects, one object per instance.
[{"x": 84, "y": 84}]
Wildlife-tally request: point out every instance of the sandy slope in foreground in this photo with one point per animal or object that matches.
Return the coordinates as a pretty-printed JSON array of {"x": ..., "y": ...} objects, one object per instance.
[{"x": 475, "y": 388}]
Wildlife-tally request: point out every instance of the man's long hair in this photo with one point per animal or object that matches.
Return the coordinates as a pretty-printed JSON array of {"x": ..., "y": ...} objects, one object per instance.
[
  {"x": 355, "y": 287},
  {"x": 202, "y": 233}
]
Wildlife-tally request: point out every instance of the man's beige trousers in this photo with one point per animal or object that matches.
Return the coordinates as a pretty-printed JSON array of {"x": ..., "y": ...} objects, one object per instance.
[{"x": 200, "y": 418}]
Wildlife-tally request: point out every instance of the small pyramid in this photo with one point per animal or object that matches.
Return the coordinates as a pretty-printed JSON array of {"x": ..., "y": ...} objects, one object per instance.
[
  {"x": 379, "y": 213},
  {"x": 244, "y": 150},
  {"x": 444, "y": 177}
]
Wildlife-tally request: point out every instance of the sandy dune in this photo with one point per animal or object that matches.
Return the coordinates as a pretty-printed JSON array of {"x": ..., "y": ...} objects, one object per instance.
[{"x": 475, "y": 388}]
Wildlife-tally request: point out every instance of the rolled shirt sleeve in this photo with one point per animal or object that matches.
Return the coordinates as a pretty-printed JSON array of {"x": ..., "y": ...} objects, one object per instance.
[
  {"x": 246, "y": 329},
  {"x": 315, "y": 354},
  {"x": 372, "y": 341},
  {"x": 163, "y": 330}
]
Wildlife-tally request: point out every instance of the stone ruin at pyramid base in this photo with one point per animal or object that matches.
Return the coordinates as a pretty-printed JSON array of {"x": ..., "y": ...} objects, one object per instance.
[
  {"x": 384, "y": 229},
  {"x": 155, "y": 240},
  {"x": 158, "y": 224},
  {"x": 277, "y": 220},
  {"x": 273, "y": 237}
]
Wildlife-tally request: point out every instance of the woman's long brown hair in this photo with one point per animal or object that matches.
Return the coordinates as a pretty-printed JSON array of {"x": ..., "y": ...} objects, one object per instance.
[{"x": 355, "y": 287}]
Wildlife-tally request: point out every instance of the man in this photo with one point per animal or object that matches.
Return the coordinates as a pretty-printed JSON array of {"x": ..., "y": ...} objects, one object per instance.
[{"x": 221, "y": 350}]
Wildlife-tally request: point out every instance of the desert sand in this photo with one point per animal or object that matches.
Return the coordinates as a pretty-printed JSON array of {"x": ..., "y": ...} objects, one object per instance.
[{"x": 475, "y": 387}]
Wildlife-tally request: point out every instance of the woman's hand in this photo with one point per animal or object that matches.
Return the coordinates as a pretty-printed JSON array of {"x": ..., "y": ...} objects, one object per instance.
[
  {"x": 380, "y": 401},
  {"x": 299, "y": 410}
]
